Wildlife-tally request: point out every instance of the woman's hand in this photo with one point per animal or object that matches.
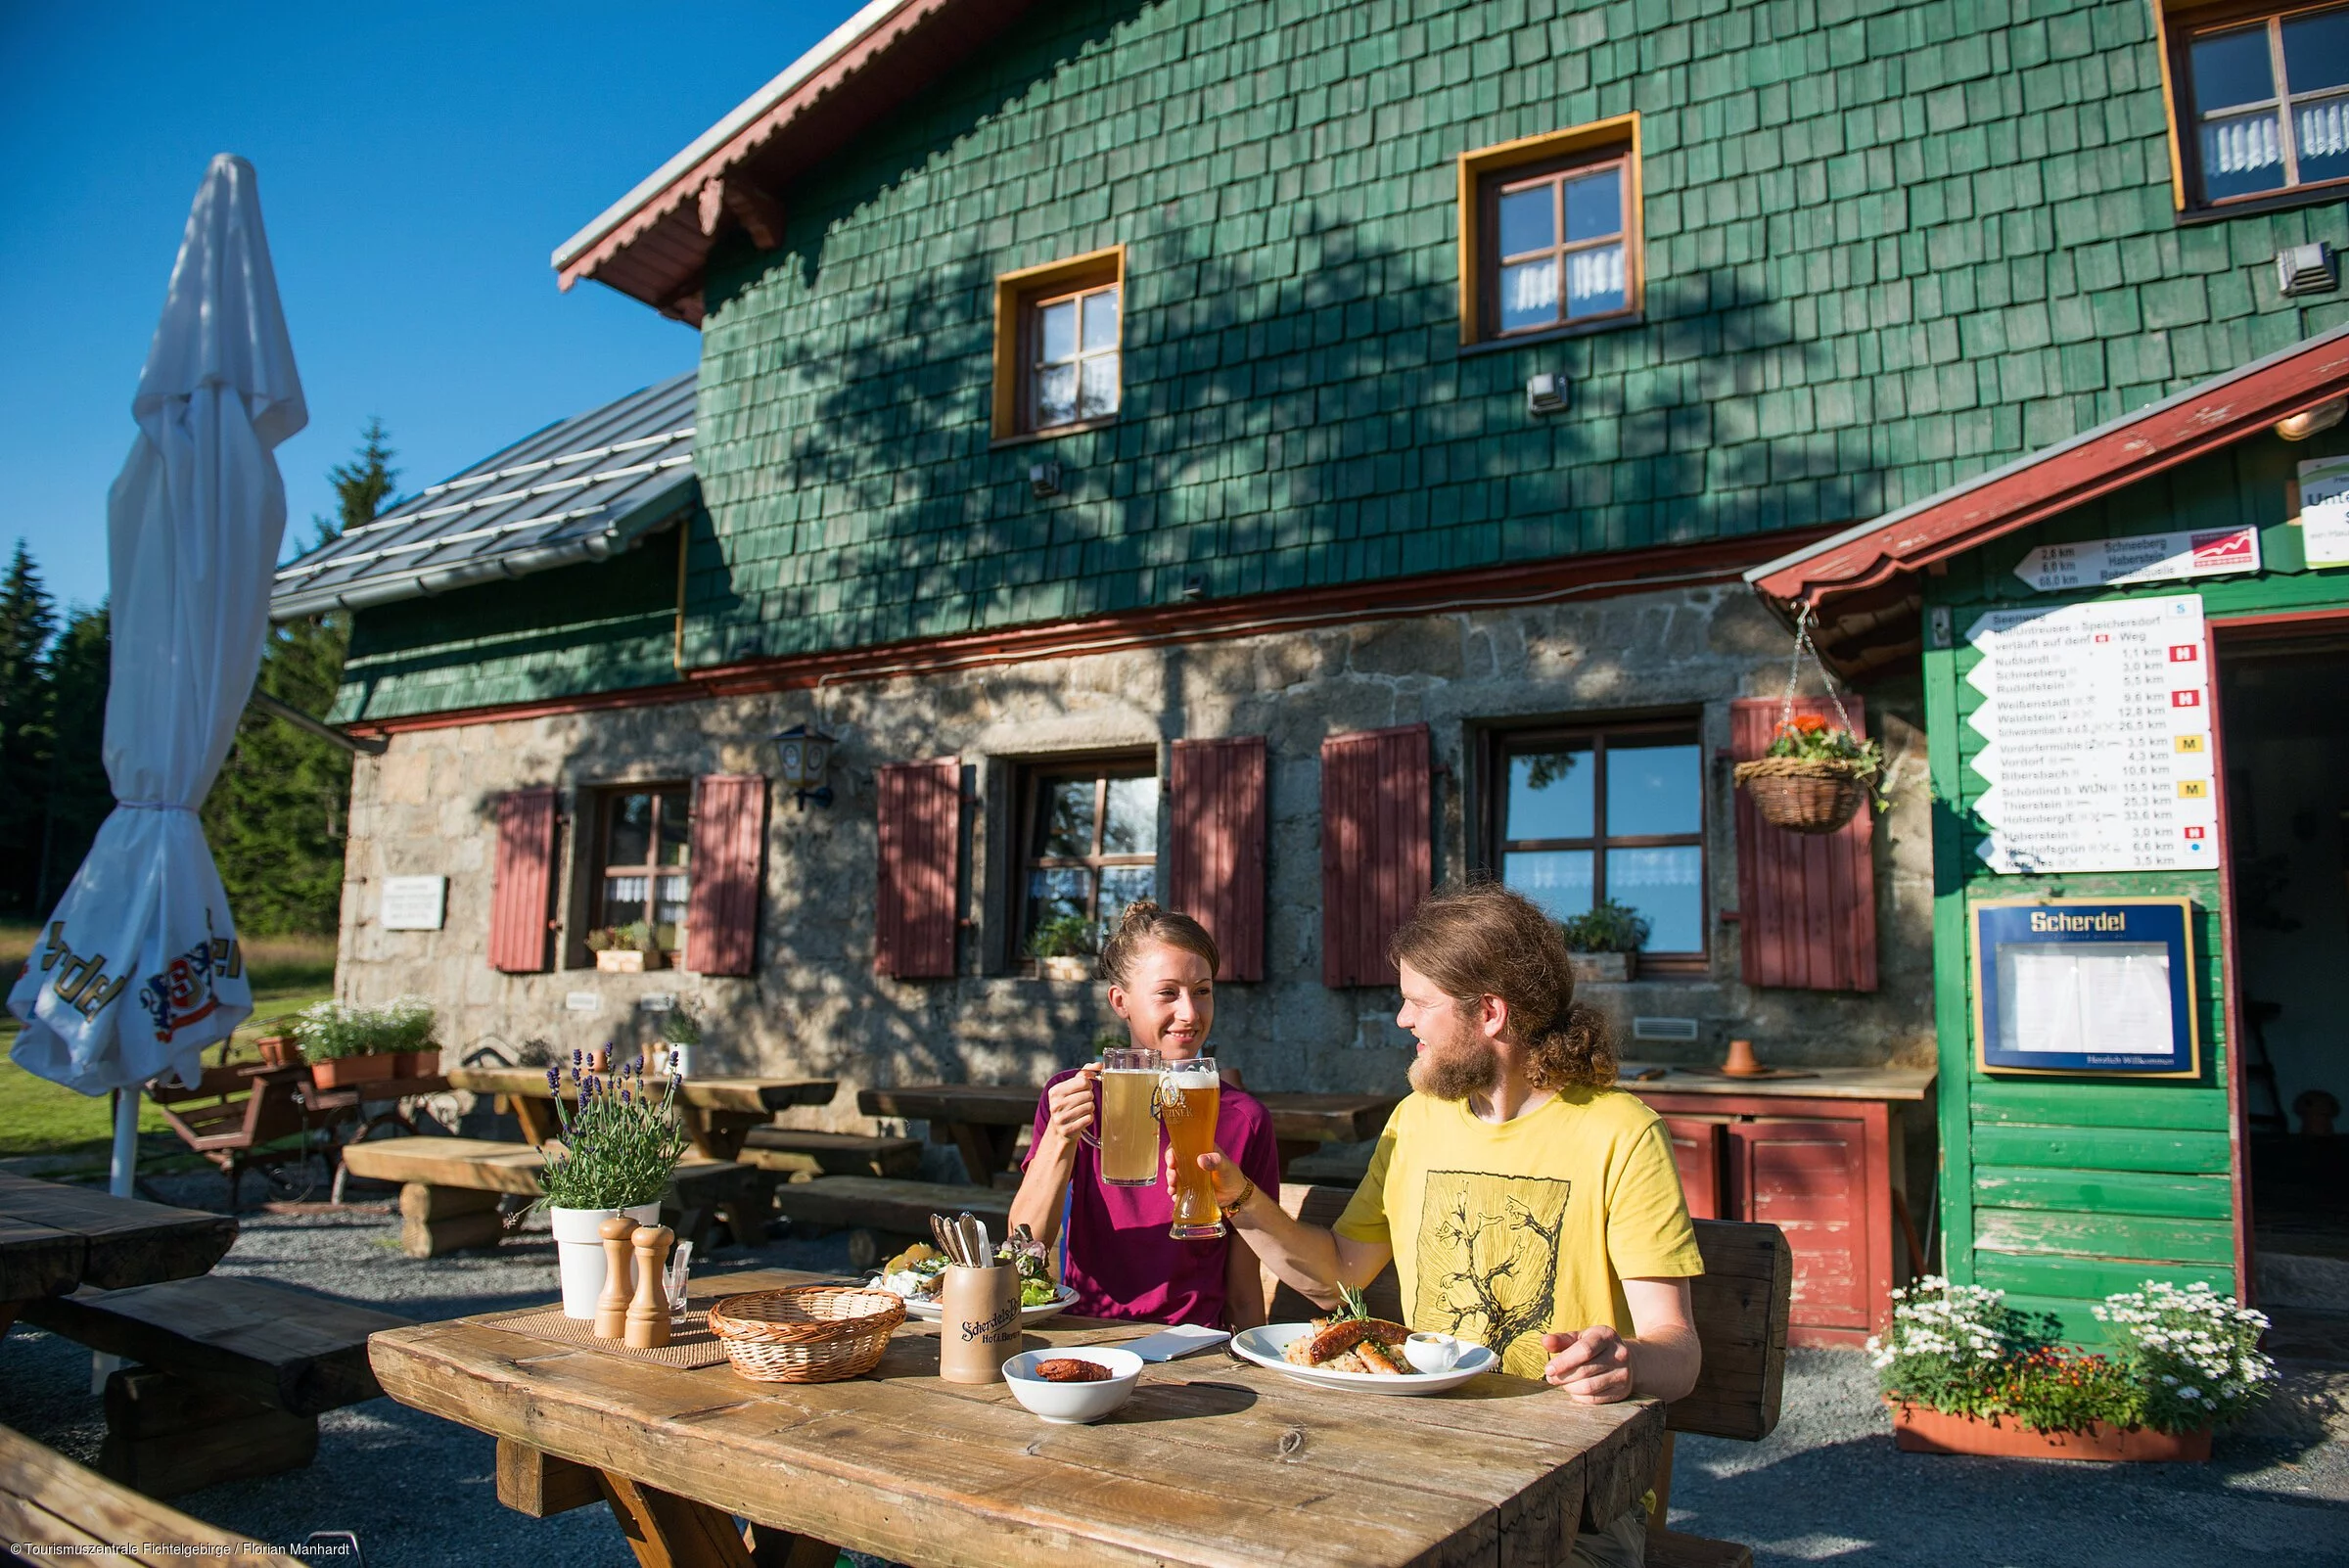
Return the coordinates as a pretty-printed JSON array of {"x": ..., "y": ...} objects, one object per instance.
[{"x": 1070, "y": 1104}]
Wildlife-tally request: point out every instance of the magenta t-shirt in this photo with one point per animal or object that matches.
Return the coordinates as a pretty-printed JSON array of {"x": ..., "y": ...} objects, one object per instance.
[{"x": 1121, "y": 1261}]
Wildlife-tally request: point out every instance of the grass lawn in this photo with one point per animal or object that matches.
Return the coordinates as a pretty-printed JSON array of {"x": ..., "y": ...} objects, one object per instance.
[{"x": 38, "y": 1116}]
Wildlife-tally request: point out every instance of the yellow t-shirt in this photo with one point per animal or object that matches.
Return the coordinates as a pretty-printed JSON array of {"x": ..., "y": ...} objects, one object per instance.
[{"x": 1503, "y": 1233}]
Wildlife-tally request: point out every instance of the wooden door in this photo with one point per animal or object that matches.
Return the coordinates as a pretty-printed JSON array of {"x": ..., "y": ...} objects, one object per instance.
[
  {"x": 1809, "y": 1177},
  {"x": 1696, "y": 1152}
]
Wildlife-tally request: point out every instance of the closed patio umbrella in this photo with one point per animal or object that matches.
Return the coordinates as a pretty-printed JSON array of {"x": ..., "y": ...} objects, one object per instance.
[{"x": 138, "y": 969}]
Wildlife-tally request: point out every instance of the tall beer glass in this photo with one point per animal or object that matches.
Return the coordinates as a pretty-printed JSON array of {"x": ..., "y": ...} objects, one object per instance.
[
  {"x": 1187, "y": 1097},
  {"x": 1128, "y": 1129}
]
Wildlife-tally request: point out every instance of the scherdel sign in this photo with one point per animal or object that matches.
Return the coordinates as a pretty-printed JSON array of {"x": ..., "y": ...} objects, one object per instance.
[{"x": 2141, "y": 557}]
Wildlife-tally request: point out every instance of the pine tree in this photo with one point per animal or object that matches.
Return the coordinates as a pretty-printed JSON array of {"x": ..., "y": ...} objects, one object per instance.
[
  {"x": 78, "y": 795},
  {"x": 276, "y": 815},
  {"x": 26, "y": 624}
]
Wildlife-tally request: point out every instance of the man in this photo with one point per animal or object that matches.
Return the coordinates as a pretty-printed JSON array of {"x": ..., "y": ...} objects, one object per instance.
[{"x": 1526, "y": 1202}]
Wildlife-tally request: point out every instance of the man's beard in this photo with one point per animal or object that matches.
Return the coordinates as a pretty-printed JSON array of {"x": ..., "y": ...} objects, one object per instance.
[{"x": 1454, "y": 1072}]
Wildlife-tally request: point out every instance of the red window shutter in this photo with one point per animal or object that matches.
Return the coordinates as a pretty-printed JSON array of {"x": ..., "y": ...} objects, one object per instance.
[
  {"x": 521, "y": 897},
  {"x": 1807, "y": 902},
  {"x": 1377, "y": 860},
  {"x": 722, "y": 913},
  {"x": 1216, "y": 863},
  {"x": 921, "y": 841}
]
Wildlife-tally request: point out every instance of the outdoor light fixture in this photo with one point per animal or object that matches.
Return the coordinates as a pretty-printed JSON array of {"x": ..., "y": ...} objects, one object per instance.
[
  {"x": 804, "y": 756},
  {"x": 2307, "y": 269},
  {"x": 1546, "y": 394},
  {"x": 2310, "y": 420},
  {"x": 1044, "y": 480}
]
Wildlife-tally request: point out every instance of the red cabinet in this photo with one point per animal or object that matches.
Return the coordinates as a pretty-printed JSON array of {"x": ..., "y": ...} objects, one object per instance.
[{"x": 1824, "y": 1171}]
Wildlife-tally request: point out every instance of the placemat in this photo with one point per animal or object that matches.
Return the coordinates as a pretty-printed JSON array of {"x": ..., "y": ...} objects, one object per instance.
[{"x": 689, "y": 1345}]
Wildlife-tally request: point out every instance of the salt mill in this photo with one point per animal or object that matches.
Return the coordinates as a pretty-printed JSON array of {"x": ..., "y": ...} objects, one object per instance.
[
  {"x": 611, "y": 1306},
  {"x": 648, "y": 1314}
]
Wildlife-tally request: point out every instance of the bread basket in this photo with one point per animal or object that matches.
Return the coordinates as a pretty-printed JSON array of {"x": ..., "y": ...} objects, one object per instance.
[{"x": 806, "y": 1334}]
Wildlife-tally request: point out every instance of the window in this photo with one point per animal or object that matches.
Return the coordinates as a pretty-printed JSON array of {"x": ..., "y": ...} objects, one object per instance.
[
  {"x": 1090, "y": 845},
  {"x": 642, "y": 872},
  {"x": 2266, "y": 102},
  {"x": 1581, "y": 815},
  {"x": 1058, "y": 336},
  {"x": 1550, "y": 233}
]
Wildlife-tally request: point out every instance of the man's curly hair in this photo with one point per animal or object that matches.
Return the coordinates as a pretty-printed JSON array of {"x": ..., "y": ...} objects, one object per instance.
[{"x": 1478, "y": 938}]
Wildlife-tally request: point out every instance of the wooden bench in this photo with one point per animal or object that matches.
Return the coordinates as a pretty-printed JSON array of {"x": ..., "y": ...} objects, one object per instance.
[
  {"x": 1741, "y": 1305},
  {"x": 46, "y": 1499},
  {"x": 449, "y": 1190},
  {"x": 232, "y": 1374},
  {"x": 800, "y": 1154},
  {"x": 882, "y": 1216},
  {"x": 233, "y": 1113}
]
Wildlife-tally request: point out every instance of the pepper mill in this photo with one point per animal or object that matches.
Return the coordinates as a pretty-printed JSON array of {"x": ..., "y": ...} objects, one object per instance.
[
  {"x": 648, "y": 1314},
  {"x": 611, "y": 1306}
]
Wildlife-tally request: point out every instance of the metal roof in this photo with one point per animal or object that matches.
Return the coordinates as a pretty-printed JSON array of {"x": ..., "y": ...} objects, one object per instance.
[{"x": 580, "y": 490}]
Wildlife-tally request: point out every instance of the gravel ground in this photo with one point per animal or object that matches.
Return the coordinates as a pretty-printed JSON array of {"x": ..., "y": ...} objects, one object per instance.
[{"x": 1827, "y": 1486}]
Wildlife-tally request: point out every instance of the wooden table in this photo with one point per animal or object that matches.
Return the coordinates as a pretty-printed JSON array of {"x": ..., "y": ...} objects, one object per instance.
[
  {"x": 983, "y": 1121},
  {"x": 1211, "y": 1463},
  {"x": 55, "y": 1238},
  {"x": 1822, "y": 1158},
  {"x": 720, "y": 1112}
]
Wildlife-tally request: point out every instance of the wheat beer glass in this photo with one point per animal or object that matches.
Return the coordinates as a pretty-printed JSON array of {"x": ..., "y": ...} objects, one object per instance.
[
  {"x": 1124, "y": 1118},
  {"x": 1187, "y": 1096}
]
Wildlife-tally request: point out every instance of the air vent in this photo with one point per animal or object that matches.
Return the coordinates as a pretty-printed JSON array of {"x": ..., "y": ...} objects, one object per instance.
[
  {"x": 1681, "y": 1028},
  {"x": 2307, "y": 269}
]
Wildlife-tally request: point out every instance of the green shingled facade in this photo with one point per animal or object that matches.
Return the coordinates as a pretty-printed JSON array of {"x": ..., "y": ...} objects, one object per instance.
[{"x": 1887, "y": 246}]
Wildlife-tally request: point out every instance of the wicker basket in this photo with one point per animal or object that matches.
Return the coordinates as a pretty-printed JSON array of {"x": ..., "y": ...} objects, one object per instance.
[
  {"x": 1802, "y": 796},
  {"x": 806, "y": 1334}
]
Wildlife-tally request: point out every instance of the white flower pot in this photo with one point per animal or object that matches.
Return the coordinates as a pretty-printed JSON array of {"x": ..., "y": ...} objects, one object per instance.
[{"x": 579, "y": 1252}]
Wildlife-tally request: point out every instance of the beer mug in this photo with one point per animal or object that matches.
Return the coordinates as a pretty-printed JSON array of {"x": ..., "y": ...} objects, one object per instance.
[
  {"x": 1188, "y": 1096},
  {"x": 1124, "y": 1129},
  {"x": 979, "y": 1326}
]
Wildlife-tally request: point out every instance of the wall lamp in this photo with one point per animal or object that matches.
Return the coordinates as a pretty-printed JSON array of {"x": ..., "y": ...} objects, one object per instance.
[{"x": 804, "y": 756}]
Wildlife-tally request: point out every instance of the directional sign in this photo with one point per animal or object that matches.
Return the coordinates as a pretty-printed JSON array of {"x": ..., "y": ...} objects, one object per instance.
[{"x": 2141, "y": 557}]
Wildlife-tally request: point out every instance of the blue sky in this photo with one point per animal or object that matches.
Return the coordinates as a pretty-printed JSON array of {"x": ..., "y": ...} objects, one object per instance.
[{"x": 418, "y": 165}]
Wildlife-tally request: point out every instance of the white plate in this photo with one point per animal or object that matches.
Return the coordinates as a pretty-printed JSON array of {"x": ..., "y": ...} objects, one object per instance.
[
  {"x": 1263, "y": 1346},
  {"x": 928, "y": 1309}
]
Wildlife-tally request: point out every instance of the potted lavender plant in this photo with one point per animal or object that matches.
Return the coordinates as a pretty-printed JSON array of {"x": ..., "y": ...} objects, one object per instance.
[{"x": 616, "y": 1156}]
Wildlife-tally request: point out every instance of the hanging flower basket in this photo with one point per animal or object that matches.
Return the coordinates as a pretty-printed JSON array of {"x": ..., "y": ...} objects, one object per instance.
[{"x": 1802, "y": 795}]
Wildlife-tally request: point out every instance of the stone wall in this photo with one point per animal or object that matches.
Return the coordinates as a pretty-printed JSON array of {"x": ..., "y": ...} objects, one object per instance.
[{"x": 815, "y": 1007}]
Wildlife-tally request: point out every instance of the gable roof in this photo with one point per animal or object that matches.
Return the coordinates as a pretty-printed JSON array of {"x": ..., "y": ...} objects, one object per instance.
[
  {"x": 652, "y": 243},
  {"x": 1862, "y": 581},
  {"x": 580, "y": 490}
]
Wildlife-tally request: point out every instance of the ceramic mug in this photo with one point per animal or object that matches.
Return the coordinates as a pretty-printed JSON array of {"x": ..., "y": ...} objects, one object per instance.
[{"x": 979, "y": 1326}]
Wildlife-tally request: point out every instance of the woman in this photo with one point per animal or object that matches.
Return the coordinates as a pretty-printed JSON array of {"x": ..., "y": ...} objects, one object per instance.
[{"x": 1121, "y": 1261}]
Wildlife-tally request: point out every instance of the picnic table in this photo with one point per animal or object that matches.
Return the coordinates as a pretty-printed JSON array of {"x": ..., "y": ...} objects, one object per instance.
[
  {"x": 1213, "y": 1460},
  {"x": 983, "y": 1121},
  {"x": 55, "y": 1238},
  {"x": 720, "y": 1112}
]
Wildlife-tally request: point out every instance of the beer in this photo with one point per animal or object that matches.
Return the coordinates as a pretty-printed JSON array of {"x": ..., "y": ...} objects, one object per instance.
[
  {"x": 1128, "y": 1127},
  {"x": 1187, "y": 1096}
]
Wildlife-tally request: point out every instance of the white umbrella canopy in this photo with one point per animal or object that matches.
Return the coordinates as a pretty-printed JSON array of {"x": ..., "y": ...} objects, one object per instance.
[{"x": 138, "y": 968}]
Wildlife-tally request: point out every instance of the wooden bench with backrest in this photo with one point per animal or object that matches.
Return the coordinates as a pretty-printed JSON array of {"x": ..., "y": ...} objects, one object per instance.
[
  {"x": 1740, "y": 1304},
  {"x": 449, "y": 1190},
  {"x": 234, "y": 1113},
  {"x": 46, "y": 1499},
  {"x": 231, "y": 1378}
]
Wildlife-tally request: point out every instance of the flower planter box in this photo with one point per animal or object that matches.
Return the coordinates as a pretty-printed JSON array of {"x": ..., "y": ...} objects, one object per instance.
[
  {"x": 1065, "y": 968},
  {"x": 416, "y": 1064},
  {"x": 1917, "y": 1430},
  {"x": 348, "y": 1072},
  {"x": 1605, "y": 968},
  {"x": 279, "y": 1050},
  {"x": 626, "y": 961}
]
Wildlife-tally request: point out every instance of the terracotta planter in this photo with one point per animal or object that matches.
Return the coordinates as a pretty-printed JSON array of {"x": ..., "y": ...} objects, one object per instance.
[
  {"x": 1605, "y": 968},
  {"x": 1917, "y": 1430},
  {"x": 348, "y": 1072},
  {"x": 279, "y": 1050},
  {"x": 1065, "y": 968},
  {"x": 416, "y": 1064},
  {"x": 625, "y": 961}
]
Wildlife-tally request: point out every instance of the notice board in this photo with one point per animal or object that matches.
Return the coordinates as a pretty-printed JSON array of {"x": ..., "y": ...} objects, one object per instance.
[{"x": 2100, "y": 986}]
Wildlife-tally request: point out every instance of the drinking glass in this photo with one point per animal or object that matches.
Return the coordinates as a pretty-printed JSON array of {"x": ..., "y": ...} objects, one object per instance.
[
  {"x": 1125, "y": 1125},
  {"x": 1187, "y": 1096}
]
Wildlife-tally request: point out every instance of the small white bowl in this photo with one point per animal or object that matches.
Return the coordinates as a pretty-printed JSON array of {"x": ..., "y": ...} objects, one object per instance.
[
  {"x": 1074, "y": 1404},
  {"x": 1433, "y": 1353}
]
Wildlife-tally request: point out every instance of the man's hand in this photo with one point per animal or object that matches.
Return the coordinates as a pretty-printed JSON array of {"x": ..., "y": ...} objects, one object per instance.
[
  {"x": 1224, "y": 1177},
  {"x": 1070, "y": 1104},
  {"x": 1593, "y": 1365}
]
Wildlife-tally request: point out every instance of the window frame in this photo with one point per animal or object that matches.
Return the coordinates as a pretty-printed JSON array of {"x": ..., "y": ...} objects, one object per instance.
[
  {"x": 1554, "y": 173},
  {"x": 1480, "y": 173},
  {"x": 1032, "y": 777},
  {"x": 605, "y": 799},
  {"x": 2178, "y": 27},
  {"x": 1503, "y": 745},
  {"x": 1020, "y": 297}
]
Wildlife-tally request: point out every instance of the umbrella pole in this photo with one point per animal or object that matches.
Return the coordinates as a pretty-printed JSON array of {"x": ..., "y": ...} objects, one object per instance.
[{"x": 126, "y": 1140}]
